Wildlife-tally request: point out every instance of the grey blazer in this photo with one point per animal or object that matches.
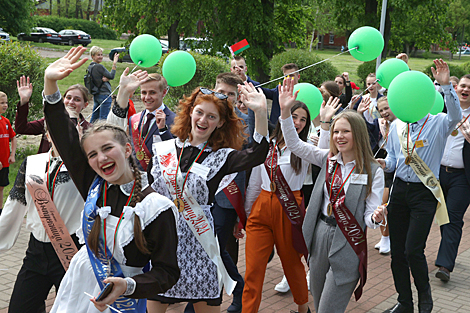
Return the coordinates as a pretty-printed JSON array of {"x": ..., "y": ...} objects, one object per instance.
[{"x": 343, "y": 260}]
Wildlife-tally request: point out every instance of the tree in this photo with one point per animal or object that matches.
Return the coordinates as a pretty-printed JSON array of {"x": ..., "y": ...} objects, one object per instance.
[{"x": 15, "y": 16}]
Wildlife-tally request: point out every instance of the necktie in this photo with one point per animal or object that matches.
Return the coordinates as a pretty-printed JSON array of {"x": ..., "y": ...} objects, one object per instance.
[{"x": 145, "y": 130}]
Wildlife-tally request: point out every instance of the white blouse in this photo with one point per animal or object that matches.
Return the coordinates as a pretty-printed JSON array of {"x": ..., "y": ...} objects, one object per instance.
[
  {"x": 260, "y": 178},
  {"x": 315, "y": 155}
]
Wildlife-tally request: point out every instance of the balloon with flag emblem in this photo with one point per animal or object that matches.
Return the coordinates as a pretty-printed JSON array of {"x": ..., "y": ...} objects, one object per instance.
[
  {"x": 411, "y": 96},
  {"x": 311, "y": 96},
  {"x": 145, "y": 49},
  {"x": 368, "y": 41},
  {"x": 389, "y": 69},
  {"x": 179, "y": 68}
]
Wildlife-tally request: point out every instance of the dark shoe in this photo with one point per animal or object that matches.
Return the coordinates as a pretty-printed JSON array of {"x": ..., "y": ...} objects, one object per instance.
[
  {"x": 292, "y": 311},
  {"x": 443, "y": 274},
  {"x": 399, "y": 308},
  {"x": 236, "y": 306},
  {"x": 425, "y": 303}
]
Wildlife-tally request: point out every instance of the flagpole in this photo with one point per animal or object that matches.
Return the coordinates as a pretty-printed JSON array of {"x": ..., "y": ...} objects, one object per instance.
[{"x": 382, "y": 28}]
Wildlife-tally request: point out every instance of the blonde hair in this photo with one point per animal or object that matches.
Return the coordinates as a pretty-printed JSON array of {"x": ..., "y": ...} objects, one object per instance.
[
  {"x": 2, "y": 94},
  {"x": 362, "y": 150},
  {"x": 162, "y": 83},
  {"x": 94, "y": 50},
  {"x": 382, "y": 100}
]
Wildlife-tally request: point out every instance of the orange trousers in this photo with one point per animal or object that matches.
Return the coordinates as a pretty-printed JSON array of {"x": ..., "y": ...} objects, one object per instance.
[{"x": 267, "y": 226}]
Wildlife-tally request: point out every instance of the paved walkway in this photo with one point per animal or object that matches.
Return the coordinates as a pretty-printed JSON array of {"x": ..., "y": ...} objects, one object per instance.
[{"x": 379, "y": 293}]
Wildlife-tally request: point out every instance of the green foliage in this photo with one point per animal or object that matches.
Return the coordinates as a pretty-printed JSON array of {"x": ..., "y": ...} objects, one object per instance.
[
  {"x": 365, "y": 69},
  {"x": 95, "y": 30},
  {"x": 15, "y": 15},
  {"x": 207, "y": 69},
  {"x": 315, "y": 75},
  {"x": 19, "y": 59},
  {"x": 455, "y": 70}
]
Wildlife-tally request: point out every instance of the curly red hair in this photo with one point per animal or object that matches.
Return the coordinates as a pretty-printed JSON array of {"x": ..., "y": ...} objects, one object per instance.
[{"x": 230, "y": 135}]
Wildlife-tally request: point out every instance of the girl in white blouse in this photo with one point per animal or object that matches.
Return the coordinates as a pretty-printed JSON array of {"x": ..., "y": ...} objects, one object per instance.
[
  {"x": 275, "y": 209},
  {"x": 345, "y": 199}
]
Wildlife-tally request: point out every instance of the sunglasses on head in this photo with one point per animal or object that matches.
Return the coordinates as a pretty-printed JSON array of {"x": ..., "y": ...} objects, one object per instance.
[{"x": 219, "y": 95}]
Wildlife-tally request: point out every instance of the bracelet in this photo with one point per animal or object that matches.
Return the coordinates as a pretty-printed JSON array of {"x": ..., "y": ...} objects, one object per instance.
[{"x": 325, "y": 122}]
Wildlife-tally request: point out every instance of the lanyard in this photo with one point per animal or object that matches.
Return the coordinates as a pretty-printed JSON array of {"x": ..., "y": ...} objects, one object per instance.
[
  {"x": 105, "y": 193},
  {"x": 417, "y": 138},
  {"x": 51, "y": 184},
  {"x": 148, "y": 131},
  {"x": 342, "y": 186},
  {"x": 189, "y": 170},
  {"x": 272, "y": 160},
  {"x": 456, "y": 130}
]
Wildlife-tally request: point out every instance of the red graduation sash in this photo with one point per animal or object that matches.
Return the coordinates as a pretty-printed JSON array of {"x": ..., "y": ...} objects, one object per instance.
[
  {"x": 234, "y": 195},
  {"x": 286, "y": 198},
  {"x": 348, "y": 224},
  {"x": 141, "y": 151}
]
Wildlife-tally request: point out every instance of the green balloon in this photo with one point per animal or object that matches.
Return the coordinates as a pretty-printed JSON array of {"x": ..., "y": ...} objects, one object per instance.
[
  {"x": 389, "y": 69},
  {"x": 145, "y": 49},
  {"x": 411, "y": 96},
  {"x": 311, "y": 96},
  {"x": 369, "y": 42},
  {"x": 438, "y": 104},
  {"x": 179, "y": 68}
]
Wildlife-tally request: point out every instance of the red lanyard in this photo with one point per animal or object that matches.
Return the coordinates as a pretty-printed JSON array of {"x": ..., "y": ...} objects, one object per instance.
[
  {"x": 272, "y": 160},
  {"x": 105, "y": 194},
  {"x": 342, "y": 186},
  {"x": 49, "y": 186},
  {"x": 417, "y": 138},
  {"x": 189, "y": 170}
]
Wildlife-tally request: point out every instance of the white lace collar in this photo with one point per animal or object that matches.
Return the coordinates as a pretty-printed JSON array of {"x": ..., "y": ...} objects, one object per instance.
[
  {"x": 127, "y": 188},
  {"x": 186, "y": 143}
]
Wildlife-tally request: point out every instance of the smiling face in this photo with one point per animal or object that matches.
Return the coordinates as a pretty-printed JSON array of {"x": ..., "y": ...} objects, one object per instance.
[
  {"x": 370, "y": 81},
  {"x": 108, "y": 158},
  {"x": 300, "y": 119},
  {"x": 152, "y": 94},
  {"x": 205, "y": 118},
  {"x": 463, "y": 92},
  {"x": 343, "y": 136},
  {"x": 97, "y": 57},
  {"x": 340, "y": 82},
  {"x": 74, "y": 102},
  {"x": 3, "y": 104},
  {"x": 385, "y": 112}
]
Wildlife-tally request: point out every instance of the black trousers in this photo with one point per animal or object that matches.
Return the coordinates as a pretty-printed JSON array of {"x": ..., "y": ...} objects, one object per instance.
[
  {"x": 411, "y": 211},
  {"x": 41, "y": 270},
  {"x": 457, "y": 194}
]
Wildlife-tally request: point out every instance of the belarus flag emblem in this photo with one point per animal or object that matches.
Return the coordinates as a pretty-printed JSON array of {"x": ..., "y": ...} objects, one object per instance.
[{"x": 239, "y": 47}]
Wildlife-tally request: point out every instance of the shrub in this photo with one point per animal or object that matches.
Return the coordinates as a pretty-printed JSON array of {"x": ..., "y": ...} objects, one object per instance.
[
  {"x": 94, "y": 29},
  {"x": 315, "y": 75},
  {"x": 465, "y": 67},
  {"x": 455, "y": 70},
  {"x": 19, "y": 59},
  {"x": 365, "y": 69},
  {"x": 207, "y": 69}
]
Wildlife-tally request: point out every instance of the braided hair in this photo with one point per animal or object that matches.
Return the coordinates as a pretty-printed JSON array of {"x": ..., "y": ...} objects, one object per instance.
[{"x": 122, "y": 138}]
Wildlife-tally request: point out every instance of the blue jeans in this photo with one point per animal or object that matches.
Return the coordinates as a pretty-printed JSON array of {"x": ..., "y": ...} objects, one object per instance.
[{"x": 101, "y": 112}]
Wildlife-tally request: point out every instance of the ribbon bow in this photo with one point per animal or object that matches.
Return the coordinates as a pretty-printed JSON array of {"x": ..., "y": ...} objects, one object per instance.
[
  {"x": 104, "y": 212},
  {"x": 137, "y": 210}
]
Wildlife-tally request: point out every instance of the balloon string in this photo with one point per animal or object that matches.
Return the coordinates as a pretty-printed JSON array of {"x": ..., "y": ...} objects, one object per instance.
[
  {"x": 109, "y": 95},
  {"x": 309, "y": 66},
  {"x": 362, "y": 93}
]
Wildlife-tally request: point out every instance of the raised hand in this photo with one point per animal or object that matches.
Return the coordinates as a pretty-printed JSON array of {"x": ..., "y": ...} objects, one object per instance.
[
  {"x": 287, "y": 97},
  {"x": 116, "y": 58},
  {"x": 353, "y": 101},
  {"x": 328, "y": 110},
  {"x": 66, "y": 65},
  {"x": 364, "y": 105},
  {"x": 346, "y": 76},
  {"x": 253, "y": 98},
  {"x": 25, "y": 89},
  {"x": 128, "y": 84},
  {"x": 160, "y": 119},
  {"x": 441, "y": 73}
]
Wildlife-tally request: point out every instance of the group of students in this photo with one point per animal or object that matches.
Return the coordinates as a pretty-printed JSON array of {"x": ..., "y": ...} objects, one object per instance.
[{"x": 136, "y": 202}]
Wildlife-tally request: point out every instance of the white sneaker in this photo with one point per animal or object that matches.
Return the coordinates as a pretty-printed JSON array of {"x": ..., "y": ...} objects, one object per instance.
[
  {"x": 283, "y": 286},
  {"x": 308, "y": 279},
  {"x": 377, "y": 246},
  {"x": 385, "y": 245}
]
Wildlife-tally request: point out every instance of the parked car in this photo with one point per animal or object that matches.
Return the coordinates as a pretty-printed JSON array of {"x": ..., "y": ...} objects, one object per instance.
[
  {"x": 41, "y": 34},
  {"x": 124, "y": 52},
  {"x": 74, "y": 37},
  {"x": 4, "y": 36}
]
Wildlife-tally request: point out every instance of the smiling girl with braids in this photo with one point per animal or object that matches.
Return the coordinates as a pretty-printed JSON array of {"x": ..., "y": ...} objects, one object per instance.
[{"x": 125, "y": 224}]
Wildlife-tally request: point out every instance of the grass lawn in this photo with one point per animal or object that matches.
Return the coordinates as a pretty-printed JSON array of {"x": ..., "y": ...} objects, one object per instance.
[{"x": 107, "y": 45}]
